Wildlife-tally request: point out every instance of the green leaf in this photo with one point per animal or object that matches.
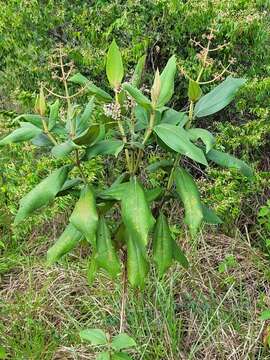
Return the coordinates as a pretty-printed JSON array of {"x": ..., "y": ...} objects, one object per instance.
[
  {"x": 89, "y": 136},
  {"x": 66, "y": 242},
  {"x": 137, "y": 264},
  {"x": 153, "y": 194},
  {"x": 3, "y": 354},
  {"x": 138, "y": 96},
  {"x": 136, "y": 214},
  {"x": 92, "y": 89},
  {"x": 42, "y": 140},
  {"x": 84, "y": 121},
  {"x": 159, "y": 164},
  {"x": 179, "y": 256},
  {"x": 167, "y": 82},
  {"x": 190, "y": 196},
  {"x": 218, "y": 98},
  {"x": 228, "y": 161},
  {"x": 94, "y": 336},
  {"x": 61, "y": 150},
  {"x": 142, "y": 118},
  {"x": 137, "y": 75},
  {"x": 92, "y": 269},
  {"x": 210, "y": 217},
  {"x": 107, "y": 258},
  {"x": 31, "y": 118},
  {"x": 194, "y": 90},
  {"x": 26, "y": 132},
  {"x": 162, "y": 245},
  {"x": 115, "y": 192},
  {"x": 84, "y": 216},
  {"x": 104, "y": 147},
  {"x": 122, "y": 341},
  {"x": 173, "y": 117},
  {"x": 114, "y": 66},
  {"x": 178, "y": 139},
  {"x": 42, "y": 194},
  {"x": 54, "y": 114},
  {"x": 103, "y": 356},
  {"x": 206, "y": 137},
  {"x": 121, "y": 356},
  {"x": 68, "y": 185},
  {"x": 265, "y": 315}
]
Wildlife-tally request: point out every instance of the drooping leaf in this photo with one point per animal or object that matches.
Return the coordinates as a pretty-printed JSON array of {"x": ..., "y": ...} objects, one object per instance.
[
  {"x": 210, "y": 217},
  {"x": 137, "y": 75},
  {"x": 153, "y": 194},
  {"x": 107, "y": 258},
  {"x": 42, "y": 194},
  {"x": 84, "y": 216},
  {"x": 26, "y": 132},
  {"x": 94, "y": 336},
  {"x": 114, "y": 66},
  {"x": 122, "y": 341},
  {"x": 91, "y": 88},
  {"x": 206, "y": 137},
  {"x": 228, "y": 161},
  {"x": 194, "y": 91},
  {"x": 173, "y": 117},
  {"x": 54, "y": 114},
  {"x": 179, "y": 256},
  {"x": 190, "y": 196},
  {"x": 218, "y": 98},
  {"x": 66, "y": 242},
  {"x": 104, "y": 147},
  {"x": 167, "y": 82},
  {"x": 136, "y": 214},
  {"x": 162, "y": 245},
  {"x": 61, "y": 150},
  {"x": 138, "y": 96},
  {"x": 178, "y": 139},
  {"x": 89, "y": 137},
  {"x": 84, "y": 121}
]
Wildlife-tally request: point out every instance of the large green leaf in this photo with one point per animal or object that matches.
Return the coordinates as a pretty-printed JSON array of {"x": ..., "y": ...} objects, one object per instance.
[
  {"x": 114, "y": 66},
  {"x": 218, "y": 98},
  {"x": 122, "y": 341},
  {"x": 206, "y": 137},
  {"x": 115, "y": 192},
  {"x": 228, "y": 161},
  {"x": 153, "y": 194},
  {"x": 42, "y": 194},
  {"x": 137, "y": 95},
  {"x": 84, "y": 121},
  {"x": 42, "y": 140},
  {"x": 136, "y": 214},
  {"x": 54, "y": 114},
  {"x": 94, "y": 336},
  {"x": 210, "y": 217},
  {"x": 84, "y": 216},
  {"x": 178, "y": 139},
  {"x": 162, "y": 245},
  {"x": 61, "y": 150},
  {"x": 190, "y": 196},
  {"x": 167, "y": 82},
  {"x": 26, "y": 132},
  {"x": 107, "y": 258},
  {"x": 89, "y": 137},
  {"x": 103, "y": 356},
  {"x": 91, "y": 88},
  {"x": 120, "y": 356},
  {"x": 137, "y": 75},
  {"x": 142, "y": 118},
  {"x": 34, "y": 119},
  {"x": 179, "y": 256},
  {"x": 66, "y": 242},
  {"x": 105, "y": 147},
  {"x": 173, "y": 117}
]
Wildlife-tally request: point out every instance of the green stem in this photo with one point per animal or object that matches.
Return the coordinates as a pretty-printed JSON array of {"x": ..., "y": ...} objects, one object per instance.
[
  {"x": 47, "y": 132},
  {"x": 78, "y": 163}
]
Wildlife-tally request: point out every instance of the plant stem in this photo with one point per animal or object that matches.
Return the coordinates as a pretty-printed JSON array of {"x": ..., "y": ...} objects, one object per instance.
[
  {"x": 124, "y": 297},
  {"x": 47, "y": 132},
  {"x": 78, "y": 163}
]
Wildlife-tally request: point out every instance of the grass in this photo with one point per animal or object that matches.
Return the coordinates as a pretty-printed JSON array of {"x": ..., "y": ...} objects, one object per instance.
[{"x": 209, "y": 312}]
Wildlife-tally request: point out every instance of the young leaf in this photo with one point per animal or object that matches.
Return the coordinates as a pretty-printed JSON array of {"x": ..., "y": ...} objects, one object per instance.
[
  {"x": 54, "y": 114},
  {"x": 26, "y": 132},
  {"x": 121, "y": 356},
  {"x": 190, "y": 196},
  {"x": 104, "y": 147},
  {"x": 122, "y": 341},
  {"x": 179, "y": 256},
  {"x": 40, "y": 106},
  {"x": 173, "y": 117},
  {"x": 84, "y": 121},
  {"x": 155, "y": 90},
  {"x": 138, "y": 96},
  {"x": 94, "y": 336},
  {"x": 66, "y": 242},
  {"x": 210, "y": 217},
  {"x": 136, "y": 214},
  {"x": 84, "y": 216},
  {"x": 91, "y": 88},
  {"x": 206, "y": 137},
  {"x": 167, "y": 82},
  {"x": 42, "y": 194},
  {"x": 114, "y": 66},
  {"x": 137, "y": 75},
  {"x": 194, "y": 91},
  {"x": 162, "y": 245},
  {"x": 178, "y": 139},
  {"x": 103, "y": 356},
  {"x": 228, "y": 161},
  {"x": 265, "y": 315},
  {"x": 61, "y": 150},
  {"x": 106, "y": 255},
  {"x": 218, "y": 98}
]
